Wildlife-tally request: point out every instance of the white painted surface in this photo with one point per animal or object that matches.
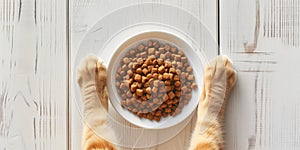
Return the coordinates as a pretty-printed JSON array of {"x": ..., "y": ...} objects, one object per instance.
[
  {"x": 33, "y": 75},
  {"x": 263, "y": 112}
]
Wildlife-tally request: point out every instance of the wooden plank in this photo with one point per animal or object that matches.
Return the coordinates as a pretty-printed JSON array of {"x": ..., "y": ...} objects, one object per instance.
[
  {"x": 84, "y": 14},
  {"x": 33, "y": 74},
  {"x": 262, "y": 38}
]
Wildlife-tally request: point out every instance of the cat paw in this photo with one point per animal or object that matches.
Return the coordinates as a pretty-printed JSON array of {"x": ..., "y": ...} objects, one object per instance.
[
  {"x": 219, "y": 79},
  {"x": 90, "y": 69}
]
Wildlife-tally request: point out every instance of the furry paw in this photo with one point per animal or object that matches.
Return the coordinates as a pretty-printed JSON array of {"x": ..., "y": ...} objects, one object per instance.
[
  {"x": 219, "y": 79},
  {"x": 92, "y": 75}
]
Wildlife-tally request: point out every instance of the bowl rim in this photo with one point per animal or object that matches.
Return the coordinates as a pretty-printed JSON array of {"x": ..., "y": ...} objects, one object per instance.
[{"x": 119, "y": 52}]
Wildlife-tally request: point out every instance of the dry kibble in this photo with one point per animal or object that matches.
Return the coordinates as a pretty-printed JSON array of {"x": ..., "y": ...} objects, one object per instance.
[
  {"x": 194, "y": 85},
  {"x": 167, "y": 82},
  {"x": 174, "y": 49},
  {"x": 189, "y": 69},
  {"x": 144, "y": 79},
  {"x": 166, "y": 76},
  {"x": 161, "y": 69},
  {"x": 154, "y": 70},
  {"x": 177, "y": 57},
  {"x": 141, "y": 47},
  {"x": 150, "y": 43},
  {"x": 156, "y": 44},
  {"x": 145, "y": 71},
  {"x": 177, "y": 83},
  {"x": 148, "y": 90},
  {"x": 190, "y": 77},
  {"x": 162, "y": 56},
  {"x": 171, "y": 95},
  {"x": 167, "y": 47},
  {"x": 161, "y": 50},
  {"x": 139, "y": 92},
  {"x": 151, "y": 51},
  {"x": 137, "y": 77},
  {"x": 172, "y": 70},
  {"x": 155, "y": 80}
]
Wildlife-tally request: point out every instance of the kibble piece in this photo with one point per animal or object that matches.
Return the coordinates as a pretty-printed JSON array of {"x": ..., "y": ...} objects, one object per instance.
[
  {"x": 143, "y": 54},
  {"x": 177, "y": 83},
  {"x": 166, "y": 97},
  {"x": 160, "y": 77},
  {"x": 145, "y": 71},
  {"x": 183, "y": 75},
  {"x": 179, "y": 65},
  {"x": 171, "y": 95},
  {"x": 150, "y": 43},
  {"x": 168, "y": 55},
  {"x": 155, "y": 75},
  {"x": 174, "y": 49},
  {"x": 184, "y": 89},
  {"x": 184, "y": 59},
  {"x": 162, "y": 56},
  {"x": 178, "y": 94},
  {"x": 167, "y": 47},
  {"x": 190, "y": 77},
  {"x": 123, "y": 103},
  {"x": 166, "y": 76},
  {"x": 149, "y": 76},
  {"x": 154, "y": 70},
  {"x": 156, "y": 44},
  {"x": 156, "y": 118},
  {"x": 171, "y": 76},
  {"x": 151, "y": 51},
  {"x": 168, "y": 88},
  {"x": 194, "y": 85},
  {"x": 189, "y": 69},
  {"x": 176, "y": 78},
  {"x": 177, "y": 57},
  {"x": 180, "y": 53},
  {"x": 167, "y": 82},
  {"x": 161, "y": 69},
  {"x": 130, "y": 72},
  {"x": 150, "y": 117},
  {"x": 148, "y": 90},
  {"x": 141, "y": 47},
  {"x": 158, "y": 113},
  {"x": 140, "y": 61},
  {"x": 168, "y": 64},
  {"x": 137, "y": 77},
  {"x": 122, "y": 86},
  {"x": 164, "y": 114},
  {"x": 144, "y": 79},
  {"x": 126, "y": 60},
  {"x": 168, "y": 110},
  {"x": 139, "y": 92},
  {"x": 161, "y": 50},
  {"x": 160, "y": 61},
  {"x": 188, "y": 96},
  {"x": 172, "y": 70}
]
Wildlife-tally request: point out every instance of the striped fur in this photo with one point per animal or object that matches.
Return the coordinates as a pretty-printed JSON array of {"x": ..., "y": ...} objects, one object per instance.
[
  {"x": 92, "y": 69},
  {"x": 208, "y": 134}
]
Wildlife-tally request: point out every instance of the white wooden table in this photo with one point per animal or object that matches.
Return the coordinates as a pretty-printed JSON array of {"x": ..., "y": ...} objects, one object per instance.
[{"x": 39, "y": 41}]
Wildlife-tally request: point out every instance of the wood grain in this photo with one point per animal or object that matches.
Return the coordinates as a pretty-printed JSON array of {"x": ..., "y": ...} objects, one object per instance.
[
  {"x": 33, "y": 74},
  {"x": 262, "y": 38},
  {"x": 84, "y": 14}
]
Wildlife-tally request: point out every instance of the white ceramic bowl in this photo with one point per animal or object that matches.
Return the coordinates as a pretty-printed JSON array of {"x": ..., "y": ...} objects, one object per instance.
[{"x": 163, "y": 37}]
